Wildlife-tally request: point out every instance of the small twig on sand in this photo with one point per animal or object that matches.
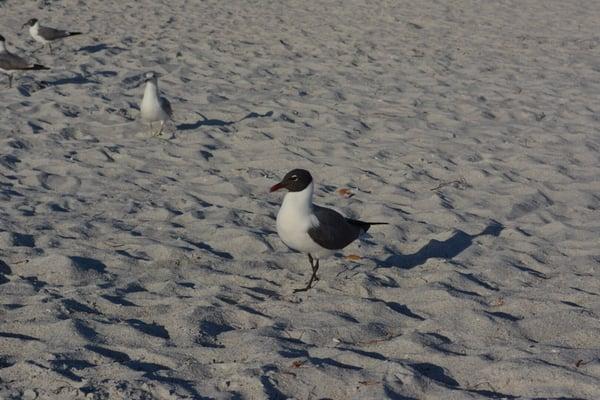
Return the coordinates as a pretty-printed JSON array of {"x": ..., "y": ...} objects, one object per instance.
[
  {"x": 489, "y": 385},
  {"x": 294, "y": 338},
  {"x": 461, "y": 182},
  {"x": 581, "y": 363}
]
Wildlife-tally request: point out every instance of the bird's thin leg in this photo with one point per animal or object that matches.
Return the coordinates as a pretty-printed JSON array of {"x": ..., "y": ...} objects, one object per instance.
[
  {"x": 162, "y": 124},
  {"x": 151, "y": 130},
  {"x": 10, "y": 78},
  {"x": 50, "y": 47},
  {"x": 314, "y": 266},
  {"x": 313, "y": 277}
]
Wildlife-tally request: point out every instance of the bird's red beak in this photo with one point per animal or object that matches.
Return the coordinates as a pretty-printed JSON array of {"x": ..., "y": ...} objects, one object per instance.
[{"x": 276, "y": 187}]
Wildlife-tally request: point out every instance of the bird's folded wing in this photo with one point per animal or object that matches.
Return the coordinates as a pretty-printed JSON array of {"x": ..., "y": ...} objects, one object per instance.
[
  {"x": 166, "y": 106},
  {"x": 52, "y": 34},
  {"x": 333, "y": 232},
  {"x": 10, "y": 61}
]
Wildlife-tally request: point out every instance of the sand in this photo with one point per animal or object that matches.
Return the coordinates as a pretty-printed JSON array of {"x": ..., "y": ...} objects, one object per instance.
[{"x": 149, "y": 268}]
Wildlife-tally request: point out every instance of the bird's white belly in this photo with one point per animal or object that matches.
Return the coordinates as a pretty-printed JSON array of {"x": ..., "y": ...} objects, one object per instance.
[
  {"x": 151, "y": 110},
  {"x": 293, "y": 231},
  {"x": 35, "y": 35}
]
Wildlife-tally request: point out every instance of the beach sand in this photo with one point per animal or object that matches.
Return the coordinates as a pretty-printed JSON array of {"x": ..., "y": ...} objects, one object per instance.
[{"x": 140, "y": 268}]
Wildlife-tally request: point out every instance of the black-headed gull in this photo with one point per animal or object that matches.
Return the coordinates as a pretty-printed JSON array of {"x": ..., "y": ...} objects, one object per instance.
[
  {"x": 46, "y": 35},
  {"x": 309, "y": 228}
]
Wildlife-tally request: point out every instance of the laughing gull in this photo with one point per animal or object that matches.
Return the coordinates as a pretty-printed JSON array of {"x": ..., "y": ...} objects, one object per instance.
[
  {"x": 45, "y": 35},
  {"x": 10, "y": 62},
  {"x": 155, "y": 107},
  {"x": 309, "y": 228}
]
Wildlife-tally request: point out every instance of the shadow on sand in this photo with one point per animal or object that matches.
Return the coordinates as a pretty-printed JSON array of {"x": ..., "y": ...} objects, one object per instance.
[
  {"x": 101, "y": 47},
  {"x": 446, "y": 249},
  {"x": 219, "y": 122}
]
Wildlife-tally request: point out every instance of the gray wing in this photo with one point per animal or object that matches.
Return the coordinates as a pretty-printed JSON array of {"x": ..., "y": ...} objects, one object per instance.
[
  {"x": 166, "y": 106},
  {"x": 9, "y": 61},
  {"x": 334, "y": 232},
  {"x": 52, "y": 34}
]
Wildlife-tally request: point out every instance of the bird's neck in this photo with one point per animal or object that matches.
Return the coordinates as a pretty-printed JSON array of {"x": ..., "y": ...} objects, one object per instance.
[
  {"x": 3, "y": 47},
  {"x": 151, "y": 90},
  {"x": 299, "y": 202}
]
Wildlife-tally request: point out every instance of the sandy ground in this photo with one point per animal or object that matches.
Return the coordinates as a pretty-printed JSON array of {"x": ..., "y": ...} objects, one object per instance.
[{"x": 135, "y": 267}]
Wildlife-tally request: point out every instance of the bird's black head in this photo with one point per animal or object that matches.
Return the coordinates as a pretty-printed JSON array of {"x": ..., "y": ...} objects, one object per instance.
[
  {"x": 31, "y": 22},
  {"x": 295, "y": 181},
  {"x": 2, "y": 38}
]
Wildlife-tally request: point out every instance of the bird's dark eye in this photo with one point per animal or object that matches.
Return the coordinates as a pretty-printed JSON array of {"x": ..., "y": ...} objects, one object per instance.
[{"x": 294, "y": 177}]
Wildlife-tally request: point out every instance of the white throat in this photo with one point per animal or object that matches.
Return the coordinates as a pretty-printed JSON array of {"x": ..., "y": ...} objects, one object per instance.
[
  {"x": 294, "y": 221},
  {"x": 3, "y": 47},
  {"x": 298, "y": 203},
  {"x": 34, "y": 29},
  {"x": 151, "y": 89}
]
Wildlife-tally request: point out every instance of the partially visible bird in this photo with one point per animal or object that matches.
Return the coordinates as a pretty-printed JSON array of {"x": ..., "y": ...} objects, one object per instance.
[
  {"x": 46, "y": 35},
  {"x": 155, "y": 107},
  {"x": 309, "y": 228},
  {"x": 10, "y": 62}
]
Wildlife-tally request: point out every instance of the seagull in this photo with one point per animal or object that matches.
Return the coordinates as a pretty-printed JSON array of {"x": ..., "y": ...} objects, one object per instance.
[
  {"x": 309, "y": 228},
  {"x": 45, "y": 35},
  {"x": 154, "y": 107},
  {"x": 10, "y": 62}
]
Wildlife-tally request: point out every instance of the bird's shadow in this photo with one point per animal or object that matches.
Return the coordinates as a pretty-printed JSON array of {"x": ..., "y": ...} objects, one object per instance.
[
  {"x": 219, "y": 122},
  {"x": 77, "y": 79},
  {"x": 29, "y": 87},
  {"x": 100, "y": 47},
  {"x": 446, "y": 249}
]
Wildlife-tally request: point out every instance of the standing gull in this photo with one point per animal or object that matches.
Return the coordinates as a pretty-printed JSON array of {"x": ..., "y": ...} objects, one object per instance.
[
  {"x": 45, "y": 35},
  {"x": 309, "y": 228},
  {"x": 155, "y": 107},
  {"x": 10, "y": 62}
]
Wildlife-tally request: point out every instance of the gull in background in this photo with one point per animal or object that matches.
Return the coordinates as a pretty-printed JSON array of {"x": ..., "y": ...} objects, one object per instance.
[
  {"x": 10, "y": 62},
  {"x": 45, "y": 35},
  {"x": 155, "y": 107},
  {"x": 309, "y": 228}
]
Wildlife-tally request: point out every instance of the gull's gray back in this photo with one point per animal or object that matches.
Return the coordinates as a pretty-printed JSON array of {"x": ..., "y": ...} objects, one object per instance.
[
  {"x": 51, "y": 33},
  {"x": 9, "y": 61}
]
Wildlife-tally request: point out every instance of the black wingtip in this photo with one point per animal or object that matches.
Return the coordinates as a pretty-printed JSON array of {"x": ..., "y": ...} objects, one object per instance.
[
  {"x": 364, "y": 225},
  {"x": 75, "y": 33},
  {"x": 38, "y": 67}
]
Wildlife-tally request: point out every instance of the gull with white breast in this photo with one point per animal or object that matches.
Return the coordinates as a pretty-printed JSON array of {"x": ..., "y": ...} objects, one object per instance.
[
  {"x": 312, "y": 229},
  {"x": 154, "y": 107},
  {"x": 46, "y": 35}
]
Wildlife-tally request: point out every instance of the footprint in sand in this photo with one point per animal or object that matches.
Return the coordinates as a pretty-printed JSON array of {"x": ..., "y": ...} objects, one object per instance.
[{"x": 59, "y": 183}]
